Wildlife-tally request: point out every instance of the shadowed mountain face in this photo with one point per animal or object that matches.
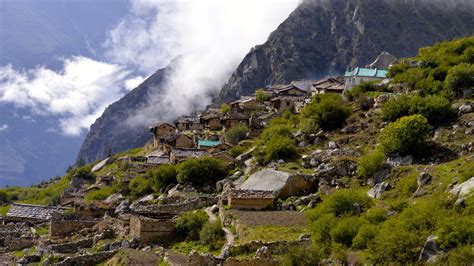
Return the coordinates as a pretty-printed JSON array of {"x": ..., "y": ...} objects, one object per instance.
[
  {"x": 323, "y": 37},
  {"x": 320, "y": 38}
]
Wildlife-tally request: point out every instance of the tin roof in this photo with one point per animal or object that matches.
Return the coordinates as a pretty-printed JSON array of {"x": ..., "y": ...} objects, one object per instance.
[
  {"x": 366, "y": 72},
  {"x": 208, "y": 143}
]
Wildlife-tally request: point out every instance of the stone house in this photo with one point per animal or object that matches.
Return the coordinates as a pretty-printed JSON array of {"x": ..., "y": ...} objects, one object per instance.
[
  {"x": 152, "y": 229},
  {"x": 157, "y": 157},
  {"x": 224, "y": 156},
  {"x": 293, "y": 103},
  {"x": 360, "y": 75},
  {"x": 178, "y": 155},
  {"x": 177, "y": 140},
  {"x": 211, "y": 120},
  {"x": 159, "y": 130},
  {"x": 33, "y": 213},
  {"x": 329, "y": 85},
  {"x": 305, "y": 84},
  {"x": 250, "y": 199},
  {"x": 288, "y": 90},
  {"x": 246, "y": 105},
  {"x": 223, "y": 146},
  {"x": 234, "y": 118},
  {"x": 188, "y": 123}
]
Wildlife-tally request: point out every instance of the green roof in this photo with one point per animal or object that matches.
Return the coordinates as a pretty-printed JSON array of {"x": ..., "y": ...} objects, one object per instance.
[
  {"x": 208, "y": 143},
  {"x": 366, "y": 72}
]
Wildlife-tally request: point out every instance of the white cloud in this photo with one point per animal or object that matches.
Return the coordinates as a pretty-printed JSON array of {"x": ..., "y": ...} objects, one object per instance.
[
  {"x": 77, "y": 95},
  {"x": 211, "y": 35},
  {"x": 3, "y": 127},
  {"x": 132, "y": 83}
]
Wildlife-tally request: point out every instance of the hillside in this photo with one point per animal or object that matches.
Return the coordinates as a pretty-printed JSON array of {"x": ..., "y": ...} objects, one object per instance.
[
  {"x": 322, "y": 38},
  {"x": 383, "y": 174}
]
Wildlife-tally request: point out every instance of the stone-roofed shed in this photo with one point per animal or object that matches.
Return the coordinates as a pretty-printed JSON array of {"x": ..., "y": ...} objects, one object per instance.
[
  {"x": 33, "y": 213},
  {"x": 250, "y": 199}
]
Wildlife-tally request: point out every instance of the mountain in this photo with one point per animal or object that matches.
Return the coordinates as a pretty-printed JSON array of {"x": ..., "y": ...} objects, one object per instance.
[
  {"x": 319, "y": 38},
  {"x": 323, "y": 37},
  {"x": 110, "y": 133}
]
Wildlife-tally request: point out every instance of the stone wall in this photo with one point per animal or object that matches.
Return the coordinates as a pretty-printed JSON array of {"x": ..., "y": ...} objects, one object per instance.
[
  {"x": 71, "y": 247},
  {"x": 250, "y": 204},
  {"x": 175, "y": 208},
  {"x": 275, "y": 248},
  {"x": 63, "y": 227},
  {"x": 88, "y": 259},
  {"x": 151, "y": 230}
]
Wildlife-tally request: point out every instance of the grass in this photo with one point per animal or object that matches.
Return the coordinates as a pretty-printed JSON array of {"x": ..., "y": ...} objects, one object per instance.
[
  {"x": 100, "y": 194},
  {"x": 186, "y": 247},
  {"x": 43, "y": 196},
  {"x": 42, "y": 230},
  {"x": 270, "y": 233},
  {"x": 4, "y": 210}
]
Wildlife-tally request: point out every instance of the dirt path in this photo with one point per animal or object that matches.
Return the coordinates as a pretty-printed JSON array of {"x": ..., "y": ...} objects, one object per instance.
[{"x": 230, "y": 238}]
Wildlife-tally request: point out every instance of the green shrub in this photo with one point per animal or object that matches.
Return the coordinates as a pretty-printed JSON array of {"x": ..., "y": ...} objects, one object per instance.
[
  {"x": 278, "y": 147},
  {"x": 237, "y": 150},
  {"x": 83, "y": 172},
  {"x": 189, "y": 224},
  {"x": 456, "y": 232},
  {"x": 235, "y": 134},
  {"x": 397, "y": 107},
  {"x": 4, "y": 199},
  {"x": 212, "y": 235},
  {"x": 460, "y": 77},
  {"x": 345, "y": 230},
  {"x": 202, "y": 171},
  {"x": 139, "y": 186},
  {"x": 282, "y": 130},
  {"x": 342, "y": 202},
  {"x": 261, "y": 96},
  {"x": 406, "y": 135},
  {"x": 365, "y": 235},
  {"x": 458, "y": 256},
  {"x": 370, "y": 163},
  {"x": 322, "y": 226},
  {"x": 225, "y": 108},
  {"x": 301, "y": 256},
  {"x": 162, "y": 176},
  {"x": 100, "y": 194},
  {"x": 376, "y": 215},
  {"x": 329, "y": 111}
]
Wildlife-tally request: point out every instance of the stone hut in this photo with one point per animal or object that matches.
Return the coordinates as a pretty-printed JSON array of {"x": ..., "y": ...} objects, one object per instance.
[
  {"x": 177, "y": 155},
  {"x": 32, "y": 213},
  {"x": 176, "y": 140},
  {"x": 287, "y": 90},
  {"x": 188, "y": 123},
  {"x": 211, "y": 120},
  {"x": 234, "y": 118},
  {"x": 329, "y": 85},
  {"x": 152, "y": 229},
  {"x": 246, "y": 105},
  {"x": 250, "y": 199},
  {"x": 294, "y": 103},
  {"x": 160, "y": 130}
]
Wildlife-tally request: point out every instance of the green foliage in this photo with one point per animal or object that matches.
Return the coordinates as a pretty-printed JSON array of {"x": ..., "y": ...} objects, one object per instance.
[
  {"x": 278, "y": 147},
  {"x": 455, "y": 232},
  {"x": 345, "y": 230},
  {"x": 406, "y": 135},
  {"x": 202, "y": 171},
  {"x": 459, "y": 256},
  {"x": 212, "y": 235},
  {"x": 237, "y": 150},
  {"x": 301, "y": 256},
  {"x": 162, "y": 176},
  {"x": 460, "y": 77},
  {"x": 235, "y": 134},
  {"x": 261, "y": 96},
  {"x": 282, "y": 130},
  {"x": 376, "y": 215},
  {"x": 4, "y": 199},
  {"x": 370, "y": 163},
  {"x": 100, "y": 194},
  {"x": 42, "y": 230},
  {"x": 225, "y": 108},
  {"x": 365, "y": 235},
  {"x": 189, "y": 224},
  {"x": 48, "y": 195},
  {"x": 139, "y": 186},
  {"x": 341, "y": 202},
  {"x": 83, "y": 172},
  {"x": 4, "y": 210},
  {"x": 328, "y": 111},
  {"x": 436, "y": 109}
]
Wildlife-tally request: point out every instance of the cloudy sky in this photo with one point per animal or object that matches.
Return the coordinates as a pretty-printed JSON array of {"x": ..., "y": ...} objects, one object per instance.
[{"x": 211, "y": 35}]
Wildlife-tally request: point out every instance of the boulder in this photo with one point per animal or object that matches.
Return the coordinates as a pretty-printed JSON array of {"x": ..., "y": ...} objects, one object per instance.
[
  {"x": 465, "y": 108},
  {"x": 463, "y": 189},
  {"x": 377, "y": 191},
  {"x": 263, "y": 253},
  {"x": 124, "y": 206},
  {"x": 77, "y": 182},
  {"x": 400, "y": 160},
  {"x": 430, "y": 250},
  {"x": 100, "y": 165},
  {"x": 423, "y": 179},
  {"x": 332, "y": 145},
  {"x": 379, "y": 176}
]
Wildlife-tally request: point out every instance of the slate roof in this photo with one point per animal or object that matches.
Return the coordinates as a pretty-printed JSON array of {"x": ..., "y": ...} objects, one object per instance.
[
  {"x": 366, "y": 72},
  {"x": 33, "y": 212},
  {"x": 158, "y": 160},
  {"x": 189, "y": 153}
]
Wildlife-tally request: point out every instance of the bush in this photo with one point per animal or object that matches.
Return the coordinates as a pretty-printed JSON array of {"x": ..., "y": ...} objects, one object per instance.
[
  {"x": 202, "y": 171},
  {"x": 458, "y": 256},
  {"x": 329, "y": 111},
  {"x": 365, "y": 235},
  {"x": 278, "y": 147},
  {"x": 345, "y": 230},
  {"x": 460, "y": 77},
  {"x": 139, "y": 186},
  {"x": 4, "y": 197},
  {"x": 341, "y": 202},
  {"x": 83, "y": 172},
  {"x": 406, "y": 135},
  {"x": 298, "y": 256},
  {"x": 456, "y": 232},
  {"x": 100, "y": 194},
  {"x": 261, "y": 96},
  {"x": 235, "y": 134},
  {"x": 321, "y": 228},
  {"x": 189, "y": 224},
  {"x": 162, "y": 176},
  {"x": 225, "y": 108},
  {"x": 376, "y": 215},
  {"x": 212, "y": 235},
  {"x": 436, "y": 109},
  {"x": 370, "y": 163}
]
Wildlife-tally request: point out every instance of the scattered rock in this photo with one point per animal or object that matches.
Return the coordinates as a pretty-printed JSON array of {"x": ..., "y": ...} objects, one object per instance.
[
  {"x": 430, "y": 250},
  {"x": 332, "y": 145},
  {"x": 464, "y": 188},
  {"x": 379, "y": 177},
  {"x": 400, "y": 160},
  {"x": 263, "y": 253},
  {"x": 124, "y": 206},
  {"x": 377, "y": 191},
  {"x": 147, "y": 248},
  {"x": 27, "y": 259},
  {"x": 465, "y": 108},
  {"x": 423, "y": 179},
  {"x": 77, "y": 182},
  {"x": 100, "y": 165},
  {"x": 304, "y": 237}
]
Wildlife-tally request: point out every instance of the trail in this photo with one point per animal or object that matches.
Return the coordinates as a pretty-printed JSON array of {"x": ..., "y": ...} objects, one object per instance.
[{"x": 230, "y": 238}]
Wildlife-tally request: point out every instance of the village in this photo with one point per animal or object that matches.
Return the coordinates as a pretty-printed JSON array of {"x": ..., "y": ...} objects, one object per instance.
[{"x": 76, "y": 231}]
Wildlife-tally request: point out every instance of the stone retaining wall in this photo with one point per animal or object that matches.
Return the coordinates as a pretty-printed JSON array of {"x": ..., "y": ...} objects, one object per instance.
[
  {"x": 275, "y": 248},
  {"x": 63, "y": 227},
  {"x": 72, "y": 247},
  {"x": 88, "y": 259},
  {"x": 176, "y": 208}
]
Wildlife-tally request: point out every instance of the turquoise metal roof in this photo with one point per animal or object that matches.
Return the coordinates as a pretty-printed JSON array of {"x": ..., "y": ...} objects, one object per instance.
[
  {"x": 208, "y": 143},
  {"x": 366, "y": 72}
]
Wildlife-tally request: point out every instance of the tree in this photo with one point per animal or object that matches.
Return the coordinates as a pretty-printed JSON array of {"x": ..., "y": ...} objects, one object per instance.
[
  {"x": 202, "y": 171},
  {"x": 235, "y": 134},
  {"x": 225, "y": 108},
  {"x": 406, "y": 135},
  {"x": 261, "y": 96},
  {"x": 162, "y": 176}
]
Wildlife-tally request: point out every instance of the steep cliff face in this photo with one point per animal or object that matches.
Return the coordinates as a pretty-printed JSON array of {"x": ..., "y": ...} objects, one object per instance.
[
  {"x": 324, "y": 37},
  {"x": 110, "y": 133},
  {"x": 321, "y": 37}
]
